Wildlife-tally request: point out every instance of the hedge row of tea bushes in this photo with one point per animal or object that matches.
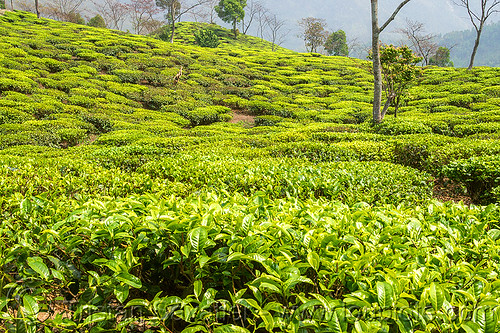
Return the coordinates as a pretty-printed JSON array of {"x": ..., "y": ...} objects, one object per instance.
[
  {"x": 230, "y": 263},
  {"x": 120, "y": 172}
]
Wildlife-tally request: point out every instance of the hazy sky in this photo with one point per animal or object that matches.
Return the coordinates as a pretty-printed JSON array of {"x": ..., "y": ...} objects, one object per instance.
[{"x": 353, "y": 16}]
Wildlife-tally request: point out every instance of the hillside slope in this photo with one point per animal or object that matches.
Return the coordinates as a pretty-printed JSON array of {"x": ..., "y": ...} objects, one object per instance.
[{"x": 185, "y": 32}]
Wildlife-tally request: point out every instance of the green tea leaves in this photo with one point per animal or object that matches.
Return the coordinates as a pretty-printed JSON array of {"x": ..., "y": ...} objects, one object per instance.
[
  {"x": 37, "y": 264},
  {"x": 385, "y": 294}
]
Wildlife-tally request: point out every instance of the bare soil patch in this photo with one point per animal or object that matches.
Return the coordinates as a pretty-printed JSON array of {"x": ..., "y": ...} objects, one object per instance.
[
  {"x": 447, "y": 190},
  {"x": 240, "y": 116}
]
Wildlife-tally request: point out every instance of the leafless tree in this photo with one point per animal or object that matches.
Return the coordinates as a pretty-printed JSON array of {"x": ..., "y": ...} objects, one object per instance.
[
  {"x": 478, "y": 18},
  {"x": 422, "y": 43},
  {"x": 356, "y": 47},
  {"x": 26, "y": 5},
  {"x": 143, "y": 13},
  {"x": 63, "y": 10},
  {"x": 275, "y": 30},
  {"x": 205, "y": 12},
  {"x": 377, "y": 68},
  {"x": 253, "y": 8},
  {"x": 262, "y": 17},
  {"x": 113, "y": 12}
]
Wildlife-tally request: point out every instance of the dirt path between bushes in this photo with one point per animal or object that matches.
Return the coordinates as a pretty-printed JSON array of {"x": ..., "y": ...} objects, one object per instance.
[
  {"x": 445, "y": 190},
  {"x": 242, "y": 116}
]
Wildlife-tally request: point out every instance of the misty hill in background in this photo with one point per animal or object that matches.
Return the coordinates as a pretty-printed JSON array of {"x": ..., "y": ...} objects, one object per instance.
[{"x": 461, "y": 43}]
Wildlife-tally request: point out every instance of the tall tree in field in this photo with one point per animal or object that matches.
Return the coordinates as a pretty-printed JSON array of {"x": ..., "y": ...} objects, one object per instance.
[
  {"x": 37, "y": 9},
  {"x": 113, "y": 12},
  {"x": 441, "y": 58},
  {"x": 254, "y": 7},
  {"x": 175, "y": 9},
  {"x": 64, "y": 10},
  {"x": 422, "y": 43},
  {"x": 97, "y": 21},
  {"x": 206, "y": 12},
  {"x": 478, "y": 18},
  {"x": 377, "y": 70},
  {"x": 313, "y": 32},
  {"x": 231, "y": 11},
  {"x": 398, "y": 71},
  {"x": 275, "y": 30},
  {"x": 336, "y": 44}
]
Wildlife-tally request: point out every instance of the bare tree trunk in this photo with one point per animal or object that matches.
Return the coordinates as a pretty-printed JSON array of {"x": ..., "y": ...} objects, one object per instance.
[
  {"x": 377, "y": 70},
  {"x": 378, "y": 116},
  {"x": 11, "y": 5},
  {"x": 478, "y": 19},
  {"x": 37, "y": 9},
  {"x": 172, "y": 22},
  {"x": 476, "y": 45}
]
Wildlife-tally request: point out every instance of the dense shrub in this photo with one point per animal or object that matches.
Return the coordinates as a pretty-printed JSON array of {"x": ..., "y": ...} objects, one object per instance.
[
  {"x": 480, "y": 176},
  {"x": 396, "y": 127},
  {"x": 206, "y": 38},
  {"x": 206, "y": 115}
]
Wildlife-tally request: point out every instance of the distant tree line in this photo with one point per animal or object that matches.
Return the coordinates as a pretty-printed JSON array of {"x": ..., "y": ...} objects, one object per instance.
[{"x": 317, "y": 38}]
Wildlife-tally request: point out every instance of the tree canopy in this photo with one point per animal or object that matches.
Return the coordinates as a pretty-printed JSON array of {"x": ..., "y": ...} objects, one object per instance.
[
  {"x": 441, "y": 58},
  {"x": 231, "y": 11},
  {"x": 97, "y": 21},
  {"x": 336, "y": 44},
  {"x": 313, "y": 32}
]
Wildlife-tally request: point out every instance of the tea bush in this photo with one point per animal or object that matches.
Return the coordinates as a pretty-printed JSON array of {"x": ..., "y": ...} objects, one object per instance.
[{"x": 480, "y": 176}]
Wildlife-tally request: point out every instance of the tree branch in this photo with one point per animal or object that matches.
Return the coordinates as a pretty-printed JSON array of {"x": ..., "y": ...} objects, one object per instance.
[{"x": 393, "y": 16}]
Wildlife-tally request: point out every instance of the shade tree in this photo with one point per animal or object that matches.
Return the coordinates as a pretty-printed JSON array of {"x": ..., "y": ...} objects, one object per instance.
[
  {"x": 231, "y": 11},
  {"x": 336, "y": 44},
  {"x": 275, "y": 30},
  {"x": 144, "y": 16},
  {"x": 113, "y": 12},
  {"x": 313, "y": 32},
  {"x": 421, "y": 42},
  {"x": 399, "y": 70},
  {"x": 377, "y": 68},
  {"x": 441, "y": 58},
  {"x": 175, "y": 9}
]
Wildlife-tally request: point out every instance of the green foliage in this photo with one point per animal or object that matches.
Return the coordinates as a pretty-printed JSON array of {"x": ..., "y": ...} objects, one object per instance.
[
  {"x": 397, "y": 127},
  {"x": 314, "y": 33},
  {"x": 336, "y": 44},
  {"x": 398, "y": 71},
  {"x": 441, "y": 58},
  {"x": 206, "y": 38},
  {"x": 130, "y": 203},
  {"x": 479, "y": 175},
  {"x": 206, "y": 115},
  {"x": 97, "y": 21},
  {"x": 231, "y": 11}
]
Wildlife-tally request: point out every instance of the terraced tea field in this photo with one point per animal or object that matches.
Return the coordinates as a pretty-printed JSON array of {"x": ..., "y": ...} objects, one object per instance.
[{"x": 253, "y": 195}]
